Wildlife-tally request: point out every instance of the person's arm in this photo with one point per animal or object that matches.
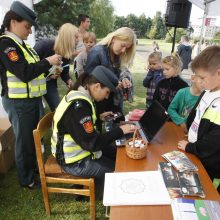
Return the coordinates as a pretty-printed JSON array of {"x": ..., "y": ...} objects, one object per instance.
[
  {"x": 148, "y": 79},
  {"x": 179, "y": 49},
  {"x": 78, "y": 123},
  {"x": 157, "y": 92},
  {"x": 80, "y": 63},
  {"x": 65, "y": 76},
  {"x": 13, "y": 60},
  {"x": 174, "y": 108}
]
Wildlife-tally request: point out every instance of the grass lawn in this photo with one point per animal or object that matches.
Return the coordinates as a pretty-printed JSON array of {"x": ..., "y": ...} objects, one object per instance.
[{"x": 21, "y": 203}]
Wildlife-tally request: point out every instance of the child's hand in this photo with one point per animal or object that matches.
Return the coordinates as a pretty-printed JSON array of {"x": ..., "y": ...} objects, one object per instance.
[
  {"x": 183, "y": 125},
  {"x": 104, "y": 114},
  {"x": 126, "y": 83},
  {"x": 182, "y": 144}
]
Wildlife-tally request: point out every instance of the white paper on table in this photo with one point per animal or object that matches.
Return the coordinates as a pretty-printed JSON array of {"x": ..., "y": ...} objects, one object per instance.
[{"x": 135, "y": 188}]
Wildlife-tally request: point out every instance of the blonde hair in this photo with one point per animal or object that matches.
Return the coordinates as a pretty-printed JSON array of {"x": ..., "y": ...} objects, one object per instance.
[
  {"x": 89, "y": 35},
  {"x": 124, "y": 34},
  {"x": 65, "y": 42},
  {"x": 155, "y": 55},
  {"x": 174, "y": 61}
]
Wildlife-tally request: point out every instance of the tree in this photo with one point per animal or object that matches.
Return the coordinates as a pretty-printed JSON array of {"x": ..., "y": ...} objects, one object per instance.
[
  {"x": 216, "y": 38},
  {"x": 120, "y": 21},
  {"x": 158, "y": 28},
  {"x": 179, "y": 33},
  {"x": 52, "y": 16},
  {"x": 102, "y": 17}
]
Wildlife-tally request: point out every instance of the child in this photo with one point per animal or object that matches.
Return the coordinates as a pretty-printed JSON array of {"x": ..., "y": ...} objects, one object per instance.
[
  {"x": 204, "y": 128},
  {"x": 168, "y": 87},
  {"x": 89, "y": 40},
  {"x": 184, "y": 101},
  {"x": 154, "y": 75}
]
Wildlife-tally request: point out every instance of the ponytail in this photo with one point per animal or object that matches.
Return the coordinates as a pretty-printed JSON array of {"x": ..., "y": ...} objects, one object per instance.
[{"x": 2, "y": 29}]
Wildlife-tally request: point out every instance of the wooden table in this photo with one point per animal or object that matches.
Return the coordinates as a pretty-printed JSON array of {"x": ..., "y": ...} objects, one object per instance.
[{"x": 166, "y": 140}]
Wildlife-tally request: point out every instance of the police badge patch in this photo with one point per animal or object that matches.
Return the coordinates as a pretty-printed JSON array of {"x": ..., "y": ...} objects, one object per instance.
[{"x": 13, "y": 56}]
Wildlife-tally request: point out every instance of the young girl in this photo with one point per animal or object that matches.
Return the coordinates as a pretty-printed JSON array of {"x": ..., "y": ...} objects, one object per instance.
[
  {"x": 168, "y": 87},
  {"x": 184, "y": 101},
  {"x": 89, "y": 40},
  {"x": 154, "y": 75}
]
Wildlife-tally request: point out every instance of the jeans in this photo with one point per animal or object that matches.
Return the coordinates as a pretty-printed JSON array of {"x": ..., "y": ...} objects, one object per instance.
[
  {"x": 52, "y": 96},
  {"x": 24, "y": 116},
  {"x": 96, "y": 168}
]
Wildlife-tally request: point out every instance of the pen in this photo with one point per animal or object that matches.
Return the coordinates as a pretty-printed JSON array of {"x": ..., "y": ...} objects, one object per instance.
[{"x": 65, "y": 66}]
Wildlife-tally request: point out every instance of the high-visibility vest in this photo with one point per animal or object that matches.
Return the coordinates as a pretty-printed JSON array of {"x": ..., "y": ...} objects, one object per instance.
[
  {"x": 72, "y": 152},
  {"x": 19, "y": 89}
]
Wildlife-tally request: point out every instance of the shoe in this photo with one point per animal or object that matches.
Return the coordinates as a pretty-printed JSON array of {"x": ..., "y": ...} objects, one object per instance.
[{"x": 34, "y": 185}]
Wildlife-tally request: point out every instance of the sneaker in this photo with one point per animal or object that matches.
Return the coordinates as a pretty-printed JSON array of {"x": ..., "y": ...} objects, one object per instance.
[{"x": 34, "y": 185}]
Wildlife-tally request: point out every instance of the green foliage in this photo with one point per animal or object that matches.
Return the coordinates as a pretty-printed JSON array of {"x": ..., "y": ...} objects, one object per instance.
[
  {"x": 158, "y": 29},
  {"x": 179, "y": 32},
  {"x": 52, "y": 14},
  {"x": 101, "y": 14},
  {"x": 216, "y": 38},
  {"x": 141, "y": 25}
]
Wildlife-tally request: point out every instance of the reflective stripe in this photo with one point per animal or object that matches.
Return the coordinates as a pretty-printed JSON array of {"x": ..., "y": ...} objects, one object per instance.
[
  {"x": 212, "y": 115},
  {"x": 72, "y": 151},
  {"x": 34, "y": 88}
]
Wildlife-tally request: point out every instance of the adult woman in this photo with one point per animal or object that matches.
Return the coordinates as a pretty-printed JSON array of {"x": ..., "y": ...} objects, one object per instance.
[
  {"x": 78, "y": 147},
  {"x": 64, "y": 45},
  {"x": 115, "y": 51},
  {"x": 23, "y": 84}
]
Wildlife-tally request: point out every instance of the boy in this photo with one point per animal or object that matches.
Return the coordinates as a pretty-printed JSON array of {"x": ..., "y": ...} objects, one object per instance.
[
  {"x": 184, "y": 101},
  {"x": 154, "y": 75},
  {"x": 204, "y": 126}
]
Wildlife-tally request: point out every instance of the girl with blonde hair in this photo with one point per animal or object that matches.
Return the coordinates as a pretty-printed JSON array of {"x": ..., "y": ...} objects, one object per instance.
[
  {"x": 116, "y": 51},
  {"x": 64, "y": 44}
]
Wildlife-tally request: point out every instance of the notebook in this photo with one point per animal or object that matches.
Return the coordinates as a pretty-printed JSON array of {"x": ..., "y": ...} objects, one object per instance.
[{"x": 151, "y": 122}]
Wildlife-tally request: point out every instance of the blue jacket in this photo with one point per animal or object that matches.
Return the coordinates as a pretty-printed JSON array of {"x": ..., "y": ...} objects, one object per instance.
[{"x": 100, "y": 55}]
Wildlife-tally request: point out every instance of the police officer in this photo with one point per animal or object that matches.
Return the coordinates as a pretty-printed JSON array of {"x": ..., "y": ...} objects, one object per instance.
[
  {"x": 76, "y": 144},
  {"x": 23, "y": 84}
]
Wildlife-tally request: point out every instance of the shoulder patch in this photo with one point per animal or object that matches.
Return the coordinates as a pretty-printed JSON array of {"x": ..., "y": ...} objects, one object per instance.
[
  {"x": 13, "y": 56},
  {"x": 87, "y": 124},
  {"x": 8, "y": 49}
]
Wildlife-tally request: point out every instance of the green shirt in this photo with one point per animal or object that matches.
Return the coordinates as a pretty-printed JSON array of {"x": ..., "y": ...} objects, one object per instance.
[{"x": 181, "y": 105}]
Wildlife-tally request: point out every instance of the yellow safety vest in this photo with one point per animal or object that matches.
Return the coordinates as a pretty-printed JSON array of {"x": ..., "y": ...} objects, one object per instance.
[
  {"x": 72, "y": 152},
  {"x": 19, "y": 89}
]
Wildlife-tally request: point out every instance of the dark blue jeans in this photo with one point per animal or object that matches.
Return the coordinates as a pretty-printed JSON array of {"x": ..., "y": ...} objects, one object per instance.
[
  {"x": 97, "y": 168},
  {"x": 52, "y": 97},
  {"x": 24, "y": 116}
]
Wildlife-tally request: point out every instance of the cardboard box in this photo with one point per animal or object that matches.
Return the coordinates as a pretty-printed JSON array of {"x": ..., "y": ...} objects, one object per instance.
[{"x": 7, "y": 145}]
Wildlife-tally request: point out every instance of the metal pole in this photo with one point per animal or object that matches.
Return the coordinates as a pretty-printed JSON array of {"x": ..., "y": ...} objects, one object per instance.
[{"x": 174, "y": 39}]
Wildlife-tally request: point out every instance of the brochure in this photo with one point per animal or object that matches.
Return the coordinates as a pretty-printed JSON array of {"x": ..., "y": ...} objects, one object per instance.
[
  {"x": 135, "y": 188},
  {"x": 189, "y": 209},
  {"x": 181, "y": 183},
  {"x": 180, "y": 161}
]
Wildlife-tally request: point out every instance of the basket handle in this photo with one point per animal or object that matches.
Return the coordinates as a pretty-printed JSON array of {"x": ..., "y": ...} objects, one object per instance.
[{"x": 134, "y": 136}]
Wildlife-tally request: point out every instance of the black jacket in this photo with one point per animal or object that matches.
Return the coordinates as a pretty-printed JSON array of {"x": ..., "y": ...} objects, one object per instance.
[
  {"x": 185, "y": 52},
  {"x": 19, "y": 66},
  {"x": 207, "y": 146},
  {"x": 167, "y": 89}
]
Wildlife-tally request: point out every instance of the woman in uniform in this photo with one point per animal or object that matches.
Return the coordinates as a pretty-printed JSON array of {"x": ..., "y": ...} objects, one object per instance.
[
  {"x": 23, "y": 84},
  {"x": 77, "y": 146}
]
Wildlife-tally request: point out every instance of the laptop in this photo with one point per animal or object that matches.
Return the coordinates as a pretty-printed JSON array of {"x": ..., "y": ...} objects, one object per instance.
[{"x": 150, "y": 123}]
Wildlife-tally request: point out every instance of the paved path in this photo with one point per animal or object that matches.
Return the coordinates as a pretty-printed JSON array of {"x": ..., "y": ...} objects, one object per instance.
[{"x": 144, "y": 50}]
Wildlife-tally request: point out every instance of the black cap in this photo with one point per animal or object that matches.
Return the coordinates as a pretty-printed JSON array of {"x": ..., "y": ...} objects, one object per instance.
[
  {"x": 24, "y": 12},
  {"x": 106, "y": 77}
]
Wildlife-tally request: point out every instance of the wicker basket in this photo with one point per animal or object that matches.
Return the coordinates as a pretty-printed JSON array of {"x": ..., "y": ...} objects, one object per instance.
[{"x": 136, "y": 152}]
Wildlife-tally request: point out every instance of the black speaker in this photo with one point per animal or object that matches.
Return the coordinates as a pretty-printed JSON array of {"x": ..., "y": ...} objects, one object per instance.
[{"x": 178, "y": 13}]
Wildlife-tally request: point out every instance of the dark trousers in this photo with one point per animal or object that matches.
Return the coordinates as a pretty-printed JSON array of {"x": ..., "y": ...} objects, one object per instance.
[
  {"x": 24, "y": 116},
  {"x": 96, "y": 168}
]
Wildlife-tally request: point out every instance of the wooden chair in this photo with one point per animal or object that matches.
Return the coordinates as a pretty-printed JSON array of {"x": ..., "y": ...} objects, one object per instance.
[{"x": 51, "y": 172}]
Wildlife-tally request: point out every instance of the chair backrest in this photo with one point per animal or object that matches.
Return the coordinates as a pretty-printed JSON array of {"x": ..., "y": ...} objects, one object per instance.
[{"x": 43, "y": 126}]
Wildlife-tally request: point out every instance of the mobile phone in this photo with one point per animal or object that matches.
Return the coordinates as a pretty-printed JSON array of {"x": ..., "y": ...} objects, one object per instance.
[{"x": 113, "y": 117}]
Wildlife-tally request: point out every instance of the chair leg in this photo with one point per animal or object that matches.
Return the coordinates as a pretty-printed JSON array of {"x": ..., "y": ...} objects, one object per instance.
[
  {"x": 92, "y": 199},
  {"x": 46, "y": 198}
]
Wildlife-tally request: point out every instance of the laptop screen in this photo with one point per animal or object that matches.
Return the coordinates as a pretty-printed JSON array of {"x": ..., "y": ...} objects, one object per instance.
[{"x": 153, "y": 119}]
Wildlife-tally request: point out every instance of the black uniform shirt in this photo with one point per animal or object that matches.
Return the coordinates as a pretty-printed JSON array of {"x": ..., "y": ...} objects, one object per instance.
[
  {"x": 13, "y": 60},
  {"x": 77, "y": 121}
]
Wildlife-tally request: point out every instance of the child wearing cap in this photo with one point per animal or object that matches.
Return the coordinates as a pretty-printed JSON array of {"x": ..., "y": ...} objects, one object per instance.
[
  {"x": 74, "y": 121},
  {"x": 204, "y": 120}
]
